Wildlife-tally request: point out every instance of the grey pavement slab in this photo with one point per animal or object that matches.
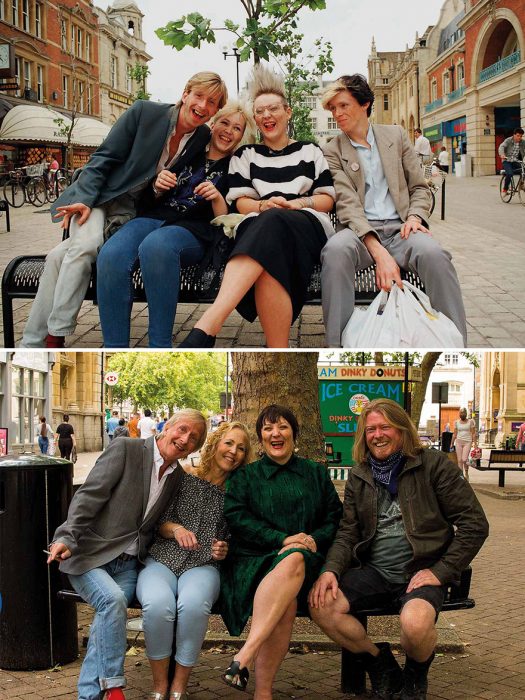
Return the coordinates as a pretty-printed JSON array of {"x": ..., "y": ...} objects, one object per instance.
[
  {"x": 492, "y": 637},
  {"x": 484, "y": 235}
]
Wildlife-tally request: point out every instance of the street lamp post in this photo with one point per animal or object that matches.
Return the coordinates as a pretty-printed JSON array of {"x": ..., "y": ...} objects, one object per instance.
[{"x": 235, "y": 55}]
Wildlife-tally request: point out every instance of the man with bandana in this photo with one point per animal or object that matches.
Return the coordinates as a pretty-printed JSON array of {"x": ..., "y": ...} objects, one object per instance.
[{"x": 411, "y": 524}]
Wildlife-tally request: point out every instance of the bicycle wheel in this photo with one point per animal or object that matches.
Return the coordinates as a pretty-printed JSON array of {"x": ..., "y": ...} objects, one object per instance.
[
  {"x": 15, "y": 194},
  {"x": 521, "y": 189},
  {"x": 36, "y": 191},
  {"x": 60, "y": 185},
  {"x": 432, "y": 203},
  {"x": 506, "y": 196}
]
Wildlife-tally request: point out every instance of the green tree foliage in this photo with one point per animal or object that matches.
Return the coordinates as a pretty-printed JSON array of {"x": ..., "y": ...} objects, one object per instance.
[
  {"x": 174, "y": 380},
  {"x": 139, "y": 73},
  {"x": 257, "y": 38}
]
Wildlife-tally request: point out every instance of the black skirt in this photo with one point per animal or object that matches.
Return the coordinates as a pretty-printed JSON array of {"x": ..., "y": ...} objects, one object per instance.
[{"x": 288, "y": 245}]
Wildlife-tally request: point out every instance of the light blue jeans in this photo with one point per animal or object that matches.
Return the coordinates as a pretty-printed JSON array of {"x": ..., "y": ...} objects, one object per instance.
[
  {"x": 162, "y": 251},
  {"x": 109, "y": 589},
  {"x": 188, "y": 599},
  {"x": 43, "y": 443}
]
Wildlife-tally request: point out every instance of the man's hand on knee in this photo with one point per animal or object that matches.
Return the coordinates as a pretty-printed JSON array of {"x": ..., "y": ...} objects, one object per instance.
[
  {"x": 325, "y": 584},
  {"x": 68, "y": 211},
  {"x": 425, "y": 577},
  {"x": 413, "y": 224}
]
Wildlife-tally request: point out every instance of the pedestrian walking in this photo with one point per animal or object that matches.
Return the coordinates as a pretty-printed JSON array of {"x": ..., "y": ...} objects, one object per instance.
[
  {"x": 121, "y": 430},
  {"x": 111, "y": 424},
  {"x": 65, "y": 435},
  {"x": 44, "y": 433}
]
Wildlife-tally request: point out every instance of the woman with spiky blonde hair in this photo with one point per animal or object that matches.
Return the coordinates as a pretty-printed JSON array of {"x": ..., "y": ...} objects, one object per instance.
[{"x": 284, "y": 190}]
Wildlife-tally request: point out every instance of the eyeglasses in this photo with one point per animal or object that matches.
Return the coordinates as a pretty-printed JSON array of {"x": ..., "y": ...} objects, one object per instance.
[{"x": 273, "y": 109}]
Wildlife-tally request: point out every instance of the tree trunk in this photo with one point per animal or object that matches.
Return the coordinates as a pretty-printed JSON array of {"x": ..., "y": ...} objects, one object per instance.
[
  {"x": 290, "y": 379},
  {"x": 419, "y": 388}
]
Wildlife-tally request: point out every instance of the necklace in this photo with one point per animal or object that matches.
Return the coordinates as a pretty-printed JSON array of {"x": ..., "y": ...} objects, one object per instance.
[
  {"x": 210, "y": 162},
  {"x": 276, "y": 152}
]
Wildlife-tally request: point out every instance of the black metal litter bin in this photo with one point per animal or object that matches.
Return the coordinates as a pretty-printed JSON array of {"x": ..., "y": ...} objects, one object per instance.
[
  {"x": 446, "y": 439},
  {"x": 36, "y": 629}
]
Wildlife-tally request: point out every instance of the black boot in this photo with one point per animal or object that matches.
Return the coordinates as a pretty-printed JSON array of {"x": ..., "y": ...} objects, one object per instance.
[
  {"x": 384, "y": 672},
  {"x": 415, "y": 679},
  {"x": 197, "y": 339}
]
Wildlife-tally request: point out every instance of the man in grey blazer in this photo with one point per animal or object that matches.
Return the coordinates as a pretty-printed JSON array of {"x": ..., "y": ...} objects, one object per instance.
[
  {"x": 382, "y": 205},
  {"x": 141, "y": 155},
  {"x": 110, "y": 524}
]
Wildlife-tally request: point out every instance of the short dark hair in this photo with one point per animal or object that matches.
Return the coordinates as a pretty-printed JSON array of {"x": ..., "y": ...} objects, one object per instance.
[
  {"x": 147, "y": 413},
  {"x": 115, "y": 413},
  {"x": 358, "y": 87},
  {"x": 271, "y": 414},
  {"x": 417, "y": 130},
  {"x": 66, "y": 417},
  {"x": 122, "y": 422},
  {"x": 518, "y": 130}
]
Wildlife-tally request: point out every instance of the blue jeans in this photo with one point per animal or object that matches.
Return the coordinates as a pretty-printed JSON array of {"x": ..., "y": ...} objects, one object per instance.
[
  {"x": 187, "y": 598},
  {"x": 109, "y": 589},
  {"x": 511, "y": 168},
  {"x": 43, "y": 443},
  {"x": 162, "y": 252}
]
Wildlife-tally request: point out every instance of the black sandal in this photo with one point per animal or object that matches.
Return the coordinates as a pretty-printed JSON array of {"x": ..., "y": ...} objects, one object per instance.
[{"x": 235, "y": 676}]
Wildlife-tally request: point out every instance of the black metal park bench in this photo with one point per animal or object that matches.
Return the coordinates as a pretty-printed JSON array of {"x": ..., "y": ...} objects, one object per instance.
[
  {"x": 353, "y": 676},
  {"x": 504, "y": 461}
]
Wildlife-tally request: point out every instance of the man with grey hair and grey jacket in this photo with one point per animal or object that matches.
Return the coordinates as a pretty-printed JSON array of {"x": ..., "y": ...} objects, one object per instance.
[
  {"x": 110, "y": 523},
  {"x": 411, "y": 524}
]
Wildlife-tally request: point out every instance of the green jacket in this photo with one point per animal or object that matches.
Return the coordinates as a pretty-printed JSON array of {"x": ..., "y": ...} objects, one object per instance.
[{"x": 443, "y": 519}]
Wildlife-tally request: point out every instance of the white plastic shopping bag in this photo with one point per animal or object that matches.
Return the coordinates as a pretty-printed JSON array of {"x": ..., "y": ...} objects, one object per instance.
[
  {"x": 374, "y": 326},
  {"x": 401, "y": 318},
  {"x": 421, "y": 325},
  {"x": 51, "y": 446}
]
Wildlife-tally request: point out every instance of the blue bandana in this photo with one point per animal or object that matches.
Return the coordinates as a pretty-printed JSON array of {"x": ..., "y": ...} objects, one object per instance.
[{"x": 385, "y": 471}]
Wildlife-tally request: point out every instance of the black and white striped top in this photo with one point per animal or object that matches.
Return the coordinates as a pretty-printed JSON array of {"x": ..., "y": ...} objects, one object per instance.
[{"x": 298, "y": 170}]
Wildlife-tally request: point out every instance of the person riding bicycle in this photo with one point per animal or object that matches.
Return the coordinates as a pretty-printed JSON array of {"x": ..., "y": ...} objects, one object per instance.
[{"x": 512, "y": 153}]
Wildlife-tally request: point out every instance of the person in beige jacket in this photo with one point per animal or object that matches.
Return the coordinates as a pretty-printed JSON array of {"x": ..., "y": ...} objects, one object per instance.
[{"x": 382, "y": 203}]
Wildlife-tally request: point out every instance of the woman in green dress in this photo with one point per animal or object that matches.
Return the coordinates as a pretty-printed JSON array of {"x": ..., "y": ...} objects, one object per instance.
[{"x": 283, "y": 512}]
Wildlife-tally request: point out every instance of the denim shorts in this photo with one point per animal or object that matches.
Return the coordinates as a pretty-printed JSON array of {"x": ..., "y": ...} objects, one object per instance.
[{"x": 365, "y": 588}]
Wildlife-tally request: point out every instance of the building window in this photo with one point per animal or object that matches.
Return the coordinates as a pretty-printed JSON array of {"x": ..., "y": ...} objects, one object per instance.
[
  {"x": 14, "y": 13},
  {"x": 385, "y": 81},
  {"x": 25, "y": 15},
  {"x": 313, "y": 123},
  {"x": 460, "y": 75},
  {"x": 17, "y": 74},
  {"x": 2, "y": 17},
  {"x": 79, "y": 43},
  {"x": 129, "y": 79},
  {"x": 63, "y": 34},
  {"x": 27, "y": 75},
  {"x": 90, "y": 99},
  {"x": 72, "y": 43},
  {"x": 309, "y": 102},
  {"x": 385, "y": 103},
  {"x": 433, "y": 90},
  {"x": 27, "y": 404},
  {"x": 38, "y": 19},
  {"x": 332, "y": 124},
  {"x": 411, "y": 89},
  {"x": 40, "y": 83},
  {"x": 113, "y": 72},
  {"x": 451, "y": 358},
  {"x": 454, "y": 388},
  {"x": 65, "y": 90},
  {"x": 88, "y": 47},
  {"x": 446, "y": 82}
]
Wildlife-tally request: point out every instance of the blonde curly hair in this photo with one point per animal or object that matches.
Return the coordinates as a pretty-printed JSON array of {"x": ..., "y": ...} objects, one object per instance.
[{"x": 210, "y": 447}]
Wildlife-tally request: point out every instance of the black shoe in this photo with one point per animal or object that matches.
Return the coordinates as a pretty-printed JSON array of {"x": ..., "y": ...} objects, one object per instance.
[
  {"x": 384, "y": 672},
  {"x": 415, "y": 680},
  {"x": 235, "y": 676},
  {"x": 197, "y": 339}
]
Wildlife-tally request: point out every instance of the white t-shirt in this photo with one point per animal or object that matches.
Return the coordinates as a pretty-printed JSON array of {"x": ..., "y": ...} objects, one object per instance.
[
  {"x": 147, "y": 427},
  {"x": 464, "y": 430},
  {"x": 422, "y": 146},
  {"x": 443, "y": 157}
]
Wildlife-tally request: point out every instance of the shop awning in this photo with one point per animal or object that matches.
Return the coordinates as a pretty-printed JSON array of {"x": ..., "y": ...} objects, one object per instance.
[
  {"x": 33, "y": 123},
  {"x": 89, "y": 132}
]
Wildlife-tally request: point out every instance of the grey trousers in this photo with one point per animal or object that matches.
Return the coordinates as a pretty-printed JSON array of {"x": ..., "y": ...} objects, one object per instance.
[
  {"x": 345, "y": 253},
  {"x": 64, "y": 282}
]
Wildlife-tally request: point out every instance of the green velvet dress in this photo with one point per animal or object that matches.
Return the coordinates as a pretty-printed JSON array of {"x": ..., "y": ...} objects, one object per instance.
[{"x": 264, "y": 503}]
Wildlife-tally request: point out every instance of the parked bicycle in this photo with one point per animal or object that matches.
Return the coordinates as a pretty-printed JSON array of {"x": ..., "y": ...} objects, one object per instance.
[
  {"x": 434, "y": 179},
  {"x": 516, "y": 185},
  {"x": 25, "y": 184}
]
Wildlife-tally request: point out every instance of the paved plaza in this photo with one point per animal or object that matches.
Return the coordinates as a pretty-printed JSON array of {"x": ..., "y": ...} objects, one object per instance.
[
  {"x": 483, "y": 661},
  {"x": 485, "y": 236}
]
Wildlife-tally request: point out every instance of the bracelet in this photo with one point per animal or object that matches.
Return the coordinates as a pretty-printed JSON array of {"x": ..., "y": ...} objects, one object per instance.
[
  {"x": 261, "y": 202},
  {"x": 179, "y": 527},
  {"x": 308, "y": 203}
]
